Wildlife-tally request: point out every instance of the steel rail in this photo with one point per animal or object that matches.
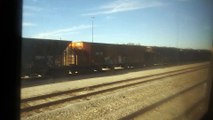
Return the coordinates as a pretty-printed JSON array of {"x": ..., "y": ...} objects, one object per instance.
[
  {"x": 101, "y": 85},
  {"x": 142, "y": 111},
  {"x": 27, "y": 109}
]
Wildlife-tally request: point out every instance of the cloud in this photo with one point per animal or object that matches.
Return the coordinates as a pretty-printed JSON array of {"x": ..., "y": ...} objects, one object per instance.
[
  {"x": 28, "y": 14},
  {"x": 35, "y": 0},
  {"x": 183, "y": 0},
  {"x": 109, "y": 17},
  {"x": 123, "y": 5},
  {"x": 62, "y": 31},
  {"x": 32, "y": 8},
  {"x": 28, "y": 24}
]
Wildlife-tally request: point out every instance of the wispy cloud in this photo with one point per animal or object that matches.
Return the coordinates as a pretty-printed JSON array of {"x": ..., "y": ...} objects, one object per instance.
[
  {"x": 109, "y": 17},
  {"x": 35, "y": 0},
  {"x": 32, "y": 8},
  {"x": 60, "y": 32},
  {"x": 183, "y": 0},
  {"x": 28, "y": 14},
  {"x": 28, "y": 24},
  {"x": 124, "y": 5}
]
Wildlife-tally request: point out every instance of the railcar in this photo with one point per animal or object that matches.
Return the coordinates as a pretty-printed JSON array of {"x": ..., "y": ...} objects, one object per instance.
[
  {"x": 164, "y": 56},
  {"x": 95, "y": 56},
  {"x": 53, "y": 57},
  {"x": 40, "y": 57}
]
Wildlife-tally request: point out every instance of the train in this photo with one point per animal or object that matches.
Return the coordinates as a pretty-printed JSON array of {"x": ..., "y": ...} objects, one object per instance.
[
  {"x": 51, "y": 58},
  {"x": 41, "y": 56}
]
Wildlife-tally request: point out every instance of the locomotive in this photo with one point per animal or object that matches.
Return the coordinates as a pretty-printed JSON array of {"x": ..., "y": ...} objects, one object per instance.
[{"x": 54, "y": 57}]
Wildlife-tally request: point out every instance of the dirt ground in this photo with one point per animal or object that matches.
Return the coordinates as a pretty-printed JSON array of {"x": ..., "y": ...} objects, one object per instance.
[{"x": 187, "y": 104}]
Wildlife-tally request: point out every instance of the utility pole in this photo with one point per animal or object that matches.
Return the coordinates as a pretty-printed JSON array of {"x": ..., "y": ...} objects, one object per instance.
[{"x": 92, "y": 26}]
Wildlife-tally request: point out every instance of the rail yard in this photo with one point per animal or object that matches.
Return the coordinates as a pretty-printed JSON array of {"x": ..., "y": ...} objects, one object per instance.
[
  {"x": 53, "y": 58},
  {"x": 173, "y": 92},
  {"x": 112, "y": 60},
  {"x": 63, "y": 80}
]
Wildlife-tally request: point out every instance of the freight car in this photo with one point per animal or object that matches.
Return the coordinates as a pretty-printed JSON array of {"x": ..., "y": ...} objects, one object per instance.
[
  {"x": 41, "y": 57},
  {"x": 84, "y": 56},
  {"x": 95, "y": 56},
  {"x": 53, "y": 57}
]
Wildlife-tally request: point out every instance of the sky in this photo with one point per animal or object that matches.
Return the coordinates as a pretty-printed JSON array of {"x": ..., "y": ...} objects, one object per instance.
[{"x": 170, "y": 23}]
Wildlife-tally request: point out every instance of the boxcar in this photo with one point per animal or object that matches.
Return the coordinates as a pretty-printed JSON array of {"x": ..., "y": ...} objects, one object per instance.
[
  {"x": 85, "y": 55},
  {"x": 54, "y": 57},
  {"x": 40, "y": 56},
  {"x": 95, "y": 56}
]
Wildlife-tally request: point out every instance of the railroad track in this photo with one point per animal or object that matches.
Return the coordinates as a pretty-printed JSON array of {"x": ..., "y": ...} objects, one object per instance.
[
  {"x": 44, "y": 101},
  {"x": 144, "y": 110}
]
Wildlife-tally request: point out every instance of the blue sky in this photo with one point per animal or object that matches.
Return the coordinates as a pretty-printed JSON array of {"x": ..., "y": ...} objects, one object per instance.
[{"x": 171, "y": 23}]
